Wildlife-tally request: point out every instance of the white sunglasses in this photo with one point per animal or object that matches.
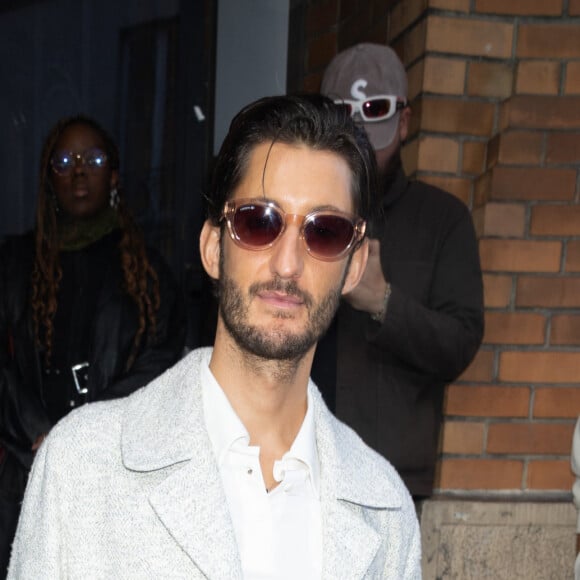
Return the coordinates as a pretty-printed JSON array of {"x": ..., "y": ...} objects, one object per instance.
[{"x": 373, "y": 109}]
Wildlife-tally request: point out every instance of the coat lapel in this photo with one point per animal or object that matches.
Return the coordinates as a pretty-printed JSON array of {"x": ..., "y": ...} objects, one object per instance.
[
  {"x": 165, "y": 429},
  {"x": 191, "y": 504},
  {"x": 349, "y": 544},
  {"x": 349, "y": 485}
]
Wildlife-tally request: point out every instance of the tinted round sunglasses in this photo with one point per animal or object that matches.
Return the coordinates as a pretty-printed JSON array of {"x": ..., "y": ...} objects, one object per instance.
[
  {"x": 374, "y": 109},
  {"x": 63, "y": 162},
  {"x": 257, "y": 225}
]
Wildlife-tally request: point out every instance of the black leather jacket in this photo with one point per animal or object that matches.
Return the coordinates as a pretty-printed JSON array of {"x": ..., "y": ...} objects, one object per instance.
[{"x": 23, "y": 416}]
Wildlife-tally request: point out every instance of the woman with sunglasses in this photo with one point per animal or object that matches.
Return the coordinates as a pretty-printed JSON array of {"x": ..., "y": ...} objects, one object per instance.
[{"x": 87, "y": 312}]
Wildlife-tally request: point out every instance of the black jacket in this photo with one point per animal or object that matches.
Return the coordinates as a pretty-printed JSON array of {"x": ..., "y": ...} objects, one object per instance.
[
  {"x": 389, "y": 378},
  {"x": 23, "y": 416}
]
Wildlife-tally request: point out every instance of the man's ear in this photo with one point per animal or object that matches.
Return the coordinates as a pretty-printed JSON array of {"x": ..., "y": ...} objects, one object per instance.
[
  {"x": 356, "y": 267},
  {"x": 209, "y": 249},
  {"x": 404, "y": 120}
]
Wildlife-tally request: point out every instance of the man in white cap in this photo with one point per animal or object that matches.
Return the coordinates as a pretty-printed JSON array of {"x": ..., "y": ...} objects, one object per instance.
[{"x": 415, "y": 321}]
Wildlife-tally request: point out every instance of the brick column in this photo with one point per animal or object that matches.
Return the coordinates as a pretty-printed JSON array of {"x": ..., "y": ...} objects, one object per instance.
[
  {"x": 495, "y": 92},
  {"x": 497, "y": 123}
]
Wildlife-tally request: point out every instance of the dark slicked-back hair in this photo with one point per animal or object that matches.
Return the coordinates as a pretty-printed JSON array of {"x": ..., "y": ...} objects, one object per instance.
[
  {"x": 309, "y": 119},
  {"x": 140, "y": 279}
]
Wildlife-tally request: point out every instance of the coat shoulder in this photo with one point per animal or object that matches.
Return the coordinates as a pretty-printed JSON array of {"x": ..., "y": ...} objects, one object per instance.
[
  {"x": 98, "y": 426},
  {"x": 93, "y": 426}
]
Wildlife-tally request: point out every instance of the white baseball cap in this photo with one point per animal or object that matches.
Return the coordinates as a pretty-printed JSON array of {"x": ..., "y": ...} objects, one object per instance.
[{"x": 364, "y": 71}]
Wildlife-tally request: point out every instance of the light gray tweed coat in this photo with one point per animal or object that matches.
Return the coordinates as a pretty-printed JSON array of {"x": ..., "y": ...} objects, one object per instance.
[{"x": 130, "y": 489}]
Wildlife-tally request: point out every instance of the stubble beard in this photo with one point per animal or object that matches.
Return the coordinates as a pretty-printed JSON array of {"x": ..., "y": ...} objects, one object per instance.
[{"x": 275, "y": 343}]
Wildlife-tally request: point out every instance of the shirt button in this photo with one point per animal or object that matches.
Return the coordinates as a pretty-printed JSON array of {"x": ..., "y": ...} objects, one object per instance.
[
  {"x": 250, "y": 471},
  {"x": 71, "y": 403}
]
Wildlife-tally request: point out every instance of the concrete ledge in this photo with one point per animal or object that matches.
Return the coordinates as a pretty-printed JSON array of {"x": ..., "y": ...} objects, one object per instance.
[{"x": 499, "y": 539}]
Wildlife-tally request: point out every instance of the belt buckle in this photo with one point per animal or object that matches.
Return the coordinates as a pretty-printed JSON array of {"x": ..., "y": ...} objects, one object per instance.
[{"x": 81, "y": 390}]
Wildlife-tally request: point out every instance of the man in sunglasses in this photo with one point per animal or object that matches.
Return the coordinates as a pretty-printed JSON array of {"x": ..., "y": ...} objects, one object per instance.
[
  {"x": 230, "y": 465},
  {"x": 415, "y": 321}
]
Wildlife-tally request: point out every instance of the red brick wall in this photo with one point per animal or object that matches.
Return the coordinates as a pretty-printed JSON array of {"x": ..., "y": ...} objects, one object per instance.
[{"x": 495, "y": 89}]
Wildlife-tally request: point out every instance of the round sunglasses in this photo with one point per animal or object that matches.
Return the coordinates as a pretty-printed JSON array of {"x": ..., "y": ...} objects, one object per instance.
[
  {"x": 374, "y": 109},
  {"x": 63, "y": 162},
  {"x": 257, "y": 225}
]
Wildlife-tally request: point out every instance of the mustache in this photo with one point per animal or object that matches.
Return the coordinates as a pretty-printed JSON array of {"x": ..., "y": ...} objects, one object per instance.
[{"x": 289, "y": 287}]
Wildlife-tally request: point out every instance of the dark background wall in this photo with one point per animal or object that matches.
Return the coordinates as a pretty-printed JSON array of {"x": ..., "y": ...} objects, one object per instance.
[
  {"x": 143, "y": 69},
  {"x": 138, "y": 67}
]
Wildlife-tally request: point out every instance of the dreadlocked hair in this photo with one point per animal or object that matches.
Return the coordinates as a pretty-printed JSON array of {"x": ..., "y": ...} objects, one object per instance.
[{"x": 140, "y": 280}]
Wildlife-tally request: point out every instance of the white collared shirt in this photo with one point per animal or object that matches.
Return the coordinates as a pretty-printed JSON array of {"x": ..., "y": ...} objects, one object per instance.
[{"x": 279, "y": 534}]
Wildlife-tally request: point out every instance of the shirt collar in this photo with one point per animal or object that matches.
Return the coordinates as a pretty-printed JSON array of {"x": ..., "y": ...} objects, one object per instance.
[
  {"x": 225, "y": 427},
  {"x": 223, "y": 424},
  {"x": 304, "y": 448}
]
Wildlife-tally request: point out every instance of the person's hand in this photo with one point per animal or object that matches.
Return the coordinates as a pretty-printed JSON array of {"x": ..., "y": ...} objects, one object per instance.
[
  {"x": 369, "y": 295},
  {"x": 38, "y": 441}
]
